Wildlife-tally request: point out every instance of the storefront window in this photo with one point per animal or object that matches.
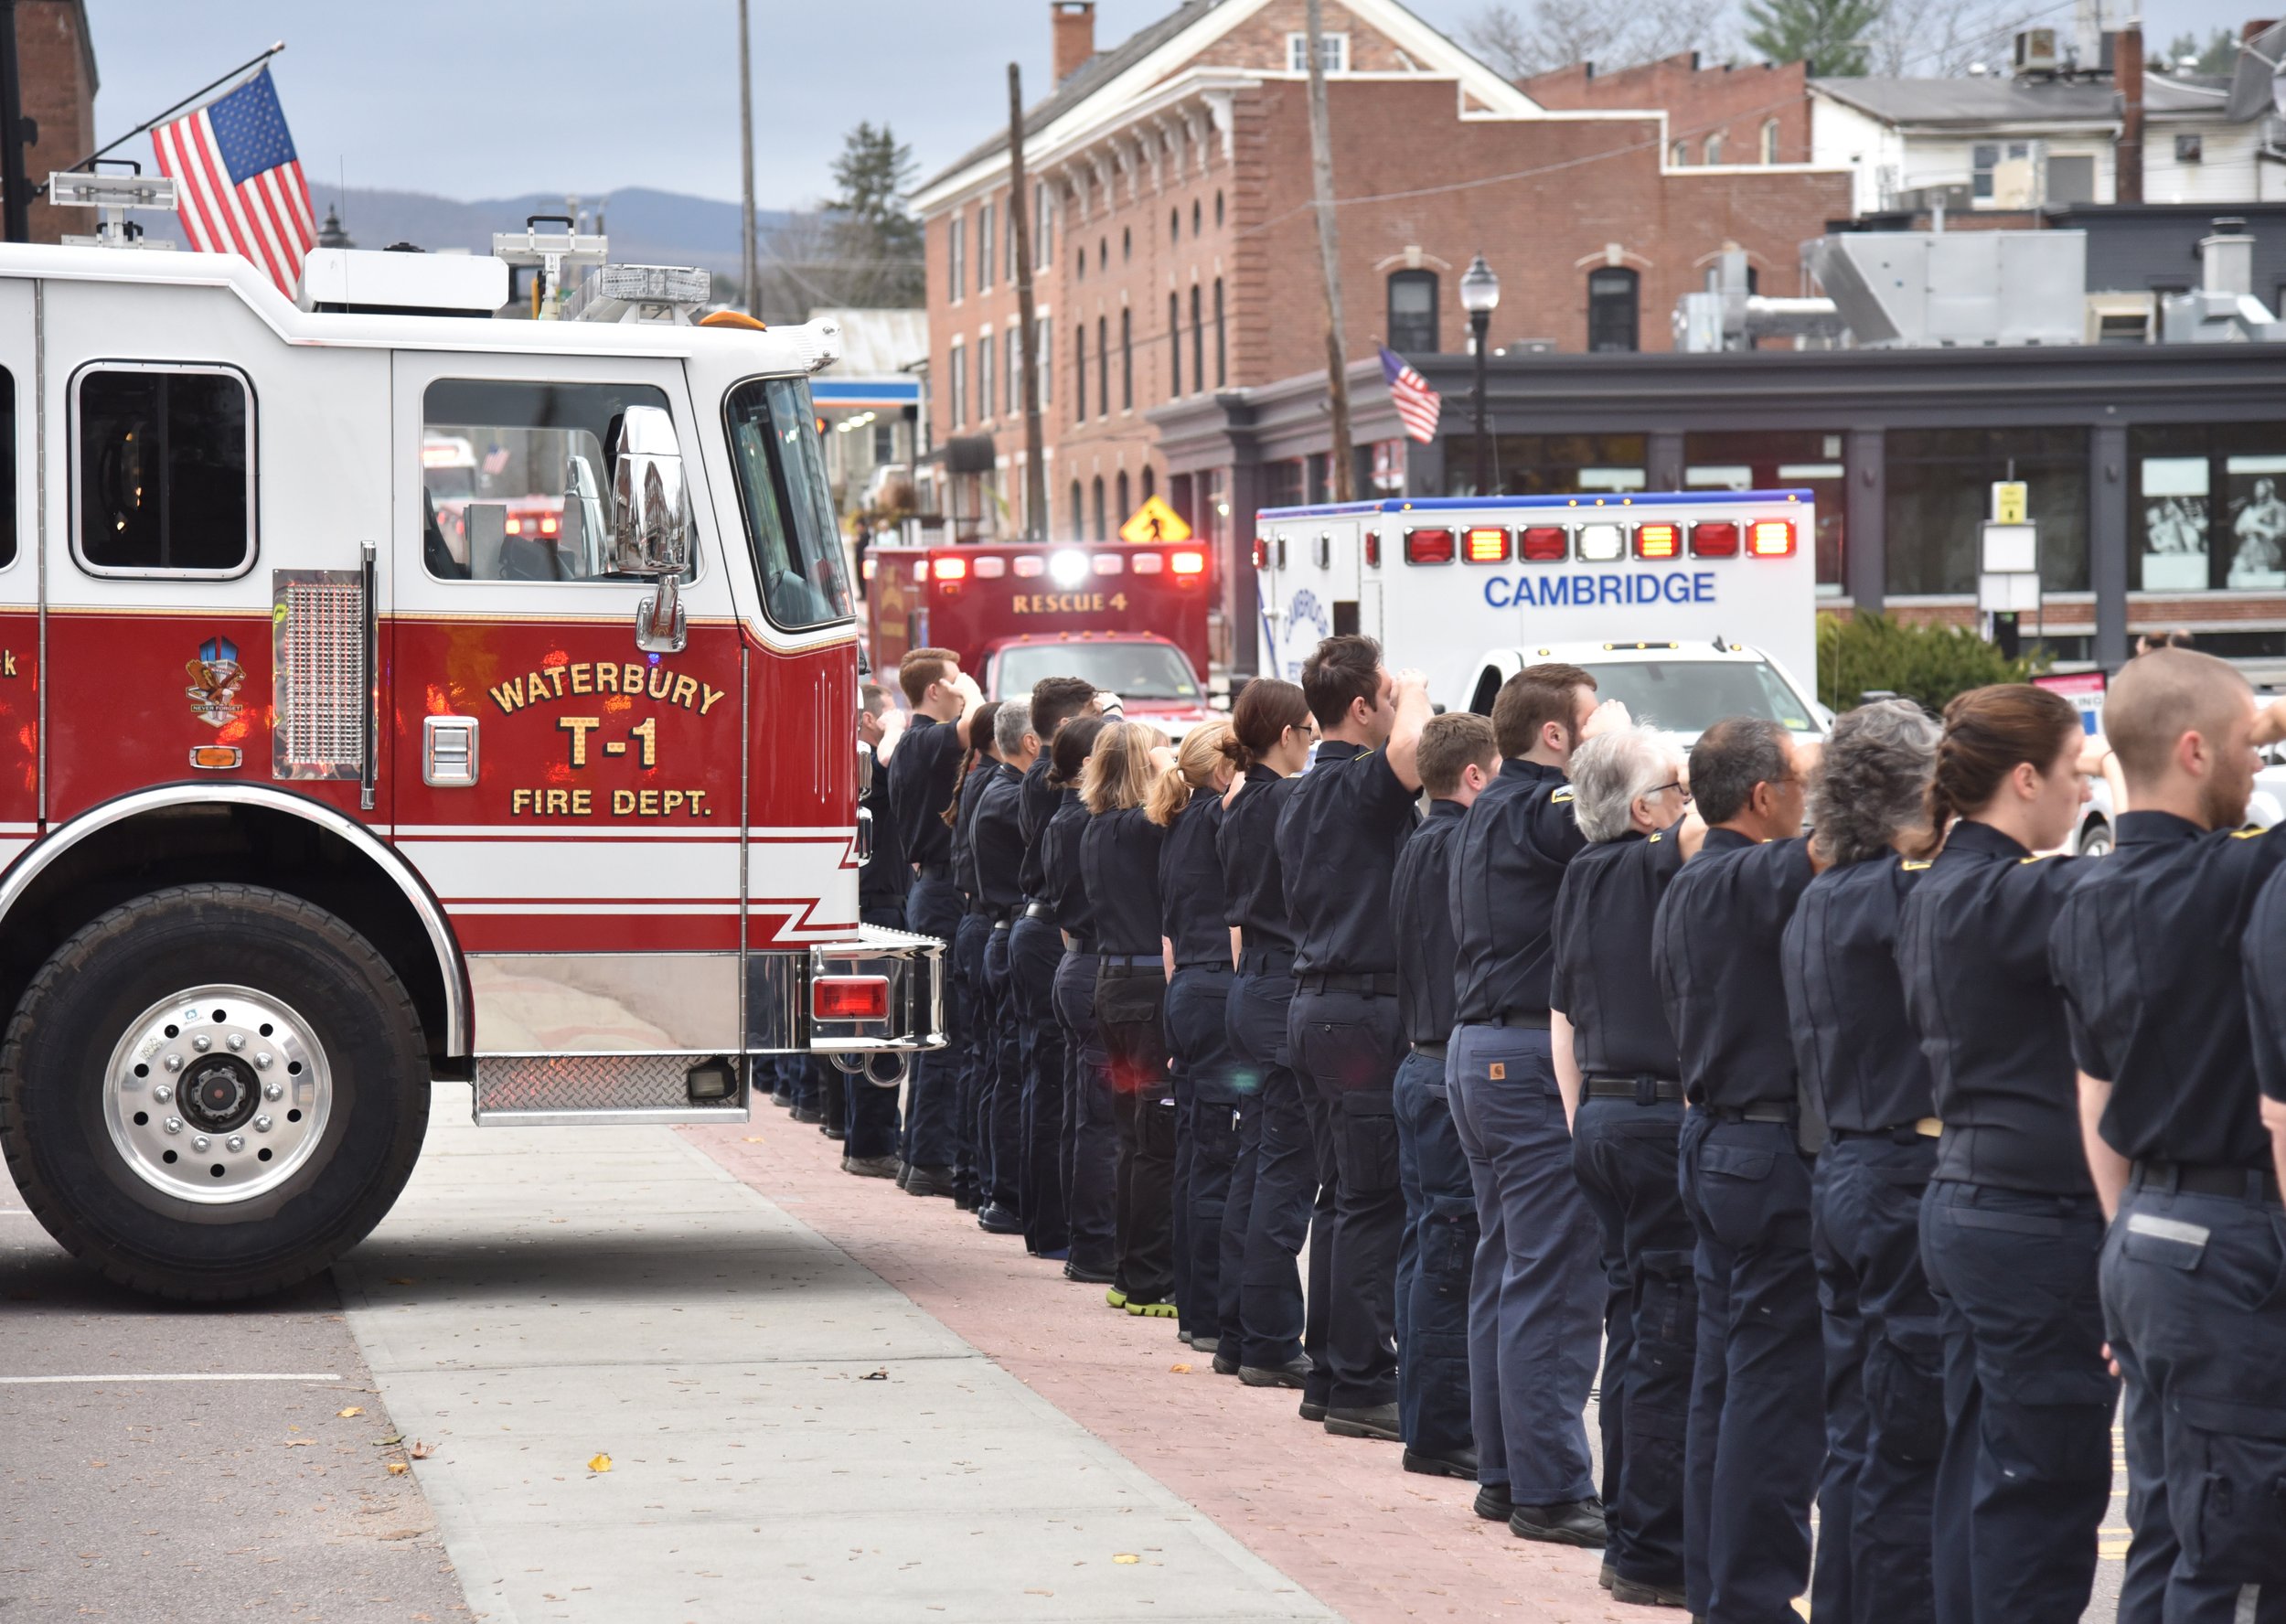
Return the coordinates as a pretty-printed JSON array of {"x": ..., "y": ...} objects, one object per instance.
[
  {"x": 1939, "y": 494},
  {"x": 2207, "y": 508},
  {"x": 1779, "y": 459},
  {"x": 1548, "y": 465},
  {"x": 1282, "y": 484},
  {"x": 1388, "y": 468}
]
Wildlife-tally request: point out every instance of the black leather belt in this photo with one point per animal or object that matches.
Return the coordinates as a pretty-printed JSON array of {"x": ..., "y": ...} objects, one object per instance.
[
  {"x": 1761, "y": 1111},
  {"x": 1643, "y": 1090},
  {"x": 1371, "y": 985},
  {"x": 1130, "y": 961},
  {"x": 2207, "y": 1179},
  {"x": 1266, "y": 961},
  {"x": 1037, "y": 911},
  {"x": 1531, "y": 1020},
  {"x": 934, "y": 870},
  {"x": 1203, "y": 963},
  {"x": 1897, "y": 1133},
  {"x": 1434, "y": 1050}
]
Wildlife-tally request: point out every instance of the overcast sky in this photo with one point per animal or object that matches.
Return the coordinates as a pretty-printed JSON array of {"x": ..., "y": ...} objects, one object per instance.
[{"x": 487, "y": 98}]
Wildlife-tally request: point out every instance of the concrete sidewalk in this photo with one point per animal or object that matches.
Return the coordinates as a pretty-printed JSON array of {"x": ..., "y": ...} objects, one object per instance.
[{"x": 788, "y": 1436}]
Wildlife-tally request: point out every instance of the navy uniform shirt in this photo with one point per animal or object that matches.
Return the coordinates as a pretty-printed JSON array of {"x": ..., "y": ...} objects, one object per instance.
[
  {"x": 998, "y": 839},
  {"x": 1421, "y": 914},
  {"x": 886, "y": 876},
  {"x": 963, "y": 826},
  {"x": 922, "y": 774},
  {"x": 1037, "y": 805},
  {"x": 1514, "y": 848},
  {"x": 2146, "y": 949},
  {"x": 1060, "y": 859},
  {"x": 1601, "y": 948},
  {"x": 1190, "y": 899},
  {"x": 1120, "y": 862},
  {"x": 1862, "y": 1066},
  {"x": 2264, "y": 947},
  {"x": 1715, "y": 945},
  {"x": 1338, "y": 843},
  {"x": 1253, "y": 883},
  {"x": 1972, "y": 945}
]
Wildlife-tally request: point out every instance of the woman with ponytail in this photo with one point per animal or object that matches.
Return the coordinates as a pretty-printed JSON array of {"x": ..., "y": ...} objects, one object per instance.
[
  {"x": 1187, "y": 803},
  {"x": 2010, "y": 1227},
  {"x": 968, "y": 1037},
  {"x": 1087, "y": 1157},
  {"x": 1278, "y": 1134}
]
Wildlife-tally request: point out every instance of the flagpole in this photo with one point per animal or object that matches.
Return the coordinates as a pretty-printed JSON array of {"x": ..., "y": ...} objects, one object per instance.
[{"x": 257, "y": 61}]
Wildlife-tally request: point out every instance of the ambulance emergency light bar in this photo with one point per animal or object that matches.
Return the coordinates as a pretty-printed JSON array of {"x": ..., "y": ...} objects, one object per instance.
[
  {"x": 1065, "y": 567},
  {"x": 1656, "y": 541}
]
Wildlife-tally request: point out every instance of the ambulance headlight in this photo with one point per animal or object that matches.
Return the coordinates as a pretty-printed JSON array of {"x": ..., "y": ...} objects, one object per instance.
[{"x": 1067, "y": 568}]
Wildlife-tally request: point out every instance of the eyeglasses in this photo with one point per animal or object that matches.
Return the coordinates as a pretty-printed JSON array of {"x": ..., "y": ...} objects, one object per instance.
[{"x": 1662, "y": 789}]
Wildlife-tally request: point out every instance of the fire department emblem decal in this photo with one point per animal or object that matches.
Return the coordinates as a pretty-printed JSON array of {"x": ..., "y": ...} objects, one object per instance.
[{"x": 215, "y": 678}]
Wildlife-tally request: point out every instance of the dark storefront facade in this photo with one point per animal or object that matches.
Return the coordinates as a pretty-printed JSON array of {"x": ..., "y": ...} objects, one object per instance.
[{"x": 2157, "y": 474}]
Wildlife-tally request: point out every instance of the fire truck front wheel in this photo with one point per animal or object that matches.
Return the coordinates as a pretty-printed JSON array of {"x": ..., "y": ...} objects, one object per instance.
[{"x": 212, "y": 1092}]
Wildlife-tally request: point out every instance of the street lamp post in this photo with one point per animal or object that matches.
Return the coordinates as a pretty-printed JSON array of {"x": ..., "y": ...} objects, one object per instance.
[{"x": 1479, "y": 297}]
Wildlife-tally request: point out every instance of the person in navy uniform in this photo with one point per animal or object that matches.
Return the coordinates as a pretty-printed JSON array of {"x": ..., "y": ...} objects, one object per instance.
[
  {"x": 1120, "y": 853},
  {"x": 1035, "y": 947},
  {"x": 1337, "y": 842},
  {"x": 1088, "y": 1160},
  {"x": 2010, "y": 1227},
  {"x": 1620, "y": 1079},
  {"x": 923, "y": 773},
  {"x": 1863, "y": 1077},
  {"x": 2147, "y": 950},
  {"x": 1188, "y": 803},
  {"x": 1536, "y": 1303},
  {"x": 1281, "y": 1137},
  {"x": 869, "y": 1114},
  {"x": 969, "y": 1041},
  {"x": 997, "y": 839},
  {"x": 1457, "y": 761},
  {"x": 1752, "y": 1454}
]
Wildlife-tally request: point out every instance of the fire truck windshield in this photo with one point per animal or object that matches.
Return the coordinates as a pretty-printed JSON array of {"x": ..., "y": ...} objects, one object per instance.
[
  {"x": 1131, "y": 671},
  {"x": 1691, "y": 696},
  {"x": 788, "y": 506}
]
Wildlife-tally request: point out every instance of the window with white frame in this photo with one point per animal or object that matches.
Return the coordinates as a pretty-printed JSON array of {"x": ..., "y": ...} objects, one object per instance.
[
  {"x": 956, "y": 383},
  {"x": 1046, "y": 361},
  {"x": 1714, "y": 149},
  {"x": 985, "y": 399},
  {"x": 1769, "y": 141},
  {"x": 1333, "y": 52},
  {"x": 984, "y": 246},
  {"x": 956, "y": 256},
  {"x": 1679, "y": 156},
  {"x": 1042, "y": 229}
]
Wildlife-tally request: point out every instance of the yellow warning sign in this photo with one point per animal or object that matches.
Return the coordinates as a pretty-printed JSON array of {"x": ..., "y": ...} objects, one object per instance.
[
  {"x": 1155, "y": 521},
  {"x": 2011, "y": 499}
]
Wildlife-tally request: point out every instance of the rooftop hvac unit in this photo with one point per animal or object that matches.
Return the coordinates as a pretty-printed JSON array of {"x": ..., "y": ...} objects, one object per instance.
[{"x": 2037, "y": 52}]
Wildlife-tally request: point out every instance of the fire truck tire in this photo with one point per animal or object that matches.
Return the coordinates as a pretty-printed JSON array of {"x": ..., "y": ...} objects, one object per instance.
[{"x": 212, "y": 1092}]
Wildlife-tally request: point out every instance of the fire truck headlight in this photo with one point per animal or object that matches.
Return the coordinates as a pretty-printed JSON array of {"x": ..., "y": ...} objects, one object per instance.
[{"x": 1067, "y": 568}]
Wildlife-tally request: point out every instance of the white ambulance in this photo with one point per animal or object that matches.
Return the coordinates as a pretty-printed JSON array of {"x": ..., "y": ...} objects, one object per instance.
[{"x": 1678, "y": 602}]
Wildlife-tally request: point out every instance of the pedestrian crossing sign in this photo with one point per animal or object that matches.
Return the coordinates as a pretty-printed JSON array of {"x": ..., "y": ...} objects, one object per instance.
[{"x": 1155, "y": 521}]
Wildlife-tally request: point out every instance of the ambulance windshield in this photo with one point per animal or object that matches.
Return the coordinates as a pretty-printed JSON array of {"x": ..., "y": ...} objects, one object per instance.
[
  {"x": 1690, "y": 696},
  {"x": 1131, "y": 671},
  {"x": 789, "y": 508}
]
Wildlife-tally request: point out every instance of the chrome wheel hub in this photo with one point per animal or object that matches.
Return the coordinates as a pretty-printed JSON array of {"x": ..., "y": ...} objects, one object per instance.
[{"x": 217, "y": 1095}]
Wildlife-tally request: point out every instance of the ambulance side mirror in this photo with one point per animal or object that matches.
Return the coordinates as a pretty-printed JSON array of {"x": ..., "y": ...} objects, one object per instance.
[{"x": 650, "y": 508}]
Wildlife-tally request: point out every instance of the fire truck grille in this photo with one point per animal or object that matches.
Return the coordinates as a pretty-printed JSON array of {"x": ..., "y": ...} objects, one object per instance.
[
  {"x": 320, "y": 674},
  {"x": 576, "y": 1083}
]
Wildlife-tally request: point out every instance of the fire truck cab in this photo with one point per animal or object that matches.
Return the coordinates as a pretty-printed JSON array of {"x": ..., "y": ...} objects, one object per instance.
[
  {"x": 1129, "y": 617},
  {"x": 387, "y": 694}
]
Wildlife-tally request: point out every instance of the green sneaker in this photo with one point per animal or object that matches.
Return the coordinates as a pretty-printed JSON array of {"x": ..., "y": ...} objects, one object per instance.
[
  {"x": 1152, "y": 1310},
  {"x": 1116, "y": 1297}
]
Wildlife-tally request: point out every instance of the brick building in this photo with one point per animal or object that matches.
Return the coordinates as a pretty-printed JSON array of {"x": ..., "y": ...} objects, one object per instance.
[
  {"x": 1177, "y": 250},
  {"x": 1717, "y": 114},
  {"x": 56, "y": 72}
]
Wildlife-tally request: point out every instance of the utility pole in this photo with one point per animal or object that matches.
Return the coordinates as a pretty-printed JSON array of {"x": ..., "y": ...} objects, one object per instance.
[
  {"x": 1328, "y": 254},
  {"x": 746, "y": 167},
  {"x": 15, "y": 192},
  {"x": 1028, "y": 319}
]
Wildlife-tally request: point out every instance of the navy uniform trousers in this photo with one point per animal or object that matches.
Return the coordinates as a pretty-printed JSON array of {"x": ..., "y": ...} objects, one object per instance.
[
  {"x": 1756, "y": 1438},
  {"x": 1036, "y": 949},
  {"x": 1131, "y": 1011},
  {"x": 1206, "y": 1140},
  {"x": 2025, "y": 1475},
  {"x": 1000, "y": 1089},
  {"x": 2192, "y": 1298},
  {"x": 1273, "y": 1326},
  {"x": 1088, "y": 1169},
  {"x": 1624, "y": 1153},
  {"x": 1536, "y": 1291},
  {"x": 1434, "y": 1262},
  {"x": 935, "y": 907},
  {"x": 970, "y": 1052},
  {"x": 1885, "y": 1380}
]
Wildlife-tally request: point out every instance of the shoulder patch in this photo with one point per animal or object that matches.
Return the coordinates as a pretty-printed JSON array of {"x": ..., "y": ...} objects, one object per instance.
[
  {"x": 1561, "y": 795},
  {"x": 1914, "y": 865},
  {"x": 1655, "y": 838},
  {"x": 2036, "y": 857},
  {"x": 2248, "y": 833}
]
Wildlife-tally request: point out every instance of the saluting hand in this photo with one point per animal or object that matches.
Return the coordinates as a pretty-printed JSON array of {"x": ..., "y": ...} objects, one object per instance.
[{"x": 1609, "y": 717}]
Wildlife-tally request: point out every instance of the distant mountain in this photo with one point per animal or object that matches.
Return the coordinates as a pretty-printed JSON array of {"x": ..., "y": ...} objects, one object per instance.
[{"x": 646, "y": 227}]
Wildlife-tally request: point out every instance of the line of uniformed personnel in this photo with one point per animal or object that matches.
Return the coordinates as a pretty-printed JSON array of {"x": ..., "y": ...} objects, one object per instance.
[{"x": 1876, "y": 1162}]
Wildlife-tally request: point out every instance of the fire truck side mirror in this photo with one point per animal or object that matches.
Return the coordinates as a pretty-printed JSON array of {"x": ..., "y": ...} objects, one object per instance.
[{"x": 650, "y": 508}]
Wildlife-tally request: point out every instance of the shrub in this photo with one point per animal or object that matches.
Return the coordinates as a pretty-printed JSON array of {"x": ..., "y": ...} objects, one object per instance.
[{"x": 1927, "y": 663}]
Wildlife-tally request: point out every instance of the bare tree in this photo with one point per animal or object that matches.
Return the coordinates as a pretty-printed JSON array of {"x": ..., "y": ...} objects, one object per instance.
[
  {"x": 1611, "y": 34},
  {"x": 1934, "y": 38},
  {"x": 1499, "y": 36}
]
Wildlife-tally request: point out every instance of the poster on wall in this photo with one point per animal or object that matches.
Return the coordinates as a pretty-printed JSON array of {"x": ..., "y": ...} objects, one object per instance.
[
  {"x": 2175, "y": 524},
  {"x": 2257, "y": 514}
]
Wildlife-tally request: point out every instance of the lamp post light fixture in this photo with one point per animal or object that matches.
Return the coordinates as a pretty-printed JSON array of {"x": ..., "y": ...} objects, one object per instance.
[{"x": 1479, "y": 297}]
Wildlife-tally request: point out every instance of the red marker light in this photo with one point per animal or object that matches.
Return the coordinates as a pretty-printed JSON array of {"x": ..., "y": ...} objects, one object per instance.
[
  {"x": 1715, "y": 539},
  {"x": 547, "y": 526},
  {"x": 1770, "y": 538},
  {"x": 1485, "y": 544},
  {"x": 1428, "y": 546},
  {"x": 850, "y": 998},
  {"x": 1262, "y": 553},
  {"x": 991, "y": 569},
  {"x": 949, "y": 568},
  {"x": 1658, "y": 540},
  {"x": 516, "y": 526},
  {"x": 1372, "y": 549},
  {"x": 1543, "y": 544},
  {"x": 1195, "y": 563}
]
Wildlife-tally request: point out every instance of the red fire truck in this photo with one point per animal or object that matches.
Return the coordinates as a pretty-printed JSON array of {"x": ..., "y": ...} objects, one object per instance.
[
  {"x": 307, "y": 798},
  {"x": 1131, "y": 618}
]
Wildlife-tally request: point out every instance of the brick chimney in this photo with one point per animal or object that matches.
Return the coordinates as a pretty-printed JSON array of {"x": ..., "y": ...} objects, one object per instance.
[
  {"x": 1074, "y": 22},
  {"x": 2127, "y": 74}
]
